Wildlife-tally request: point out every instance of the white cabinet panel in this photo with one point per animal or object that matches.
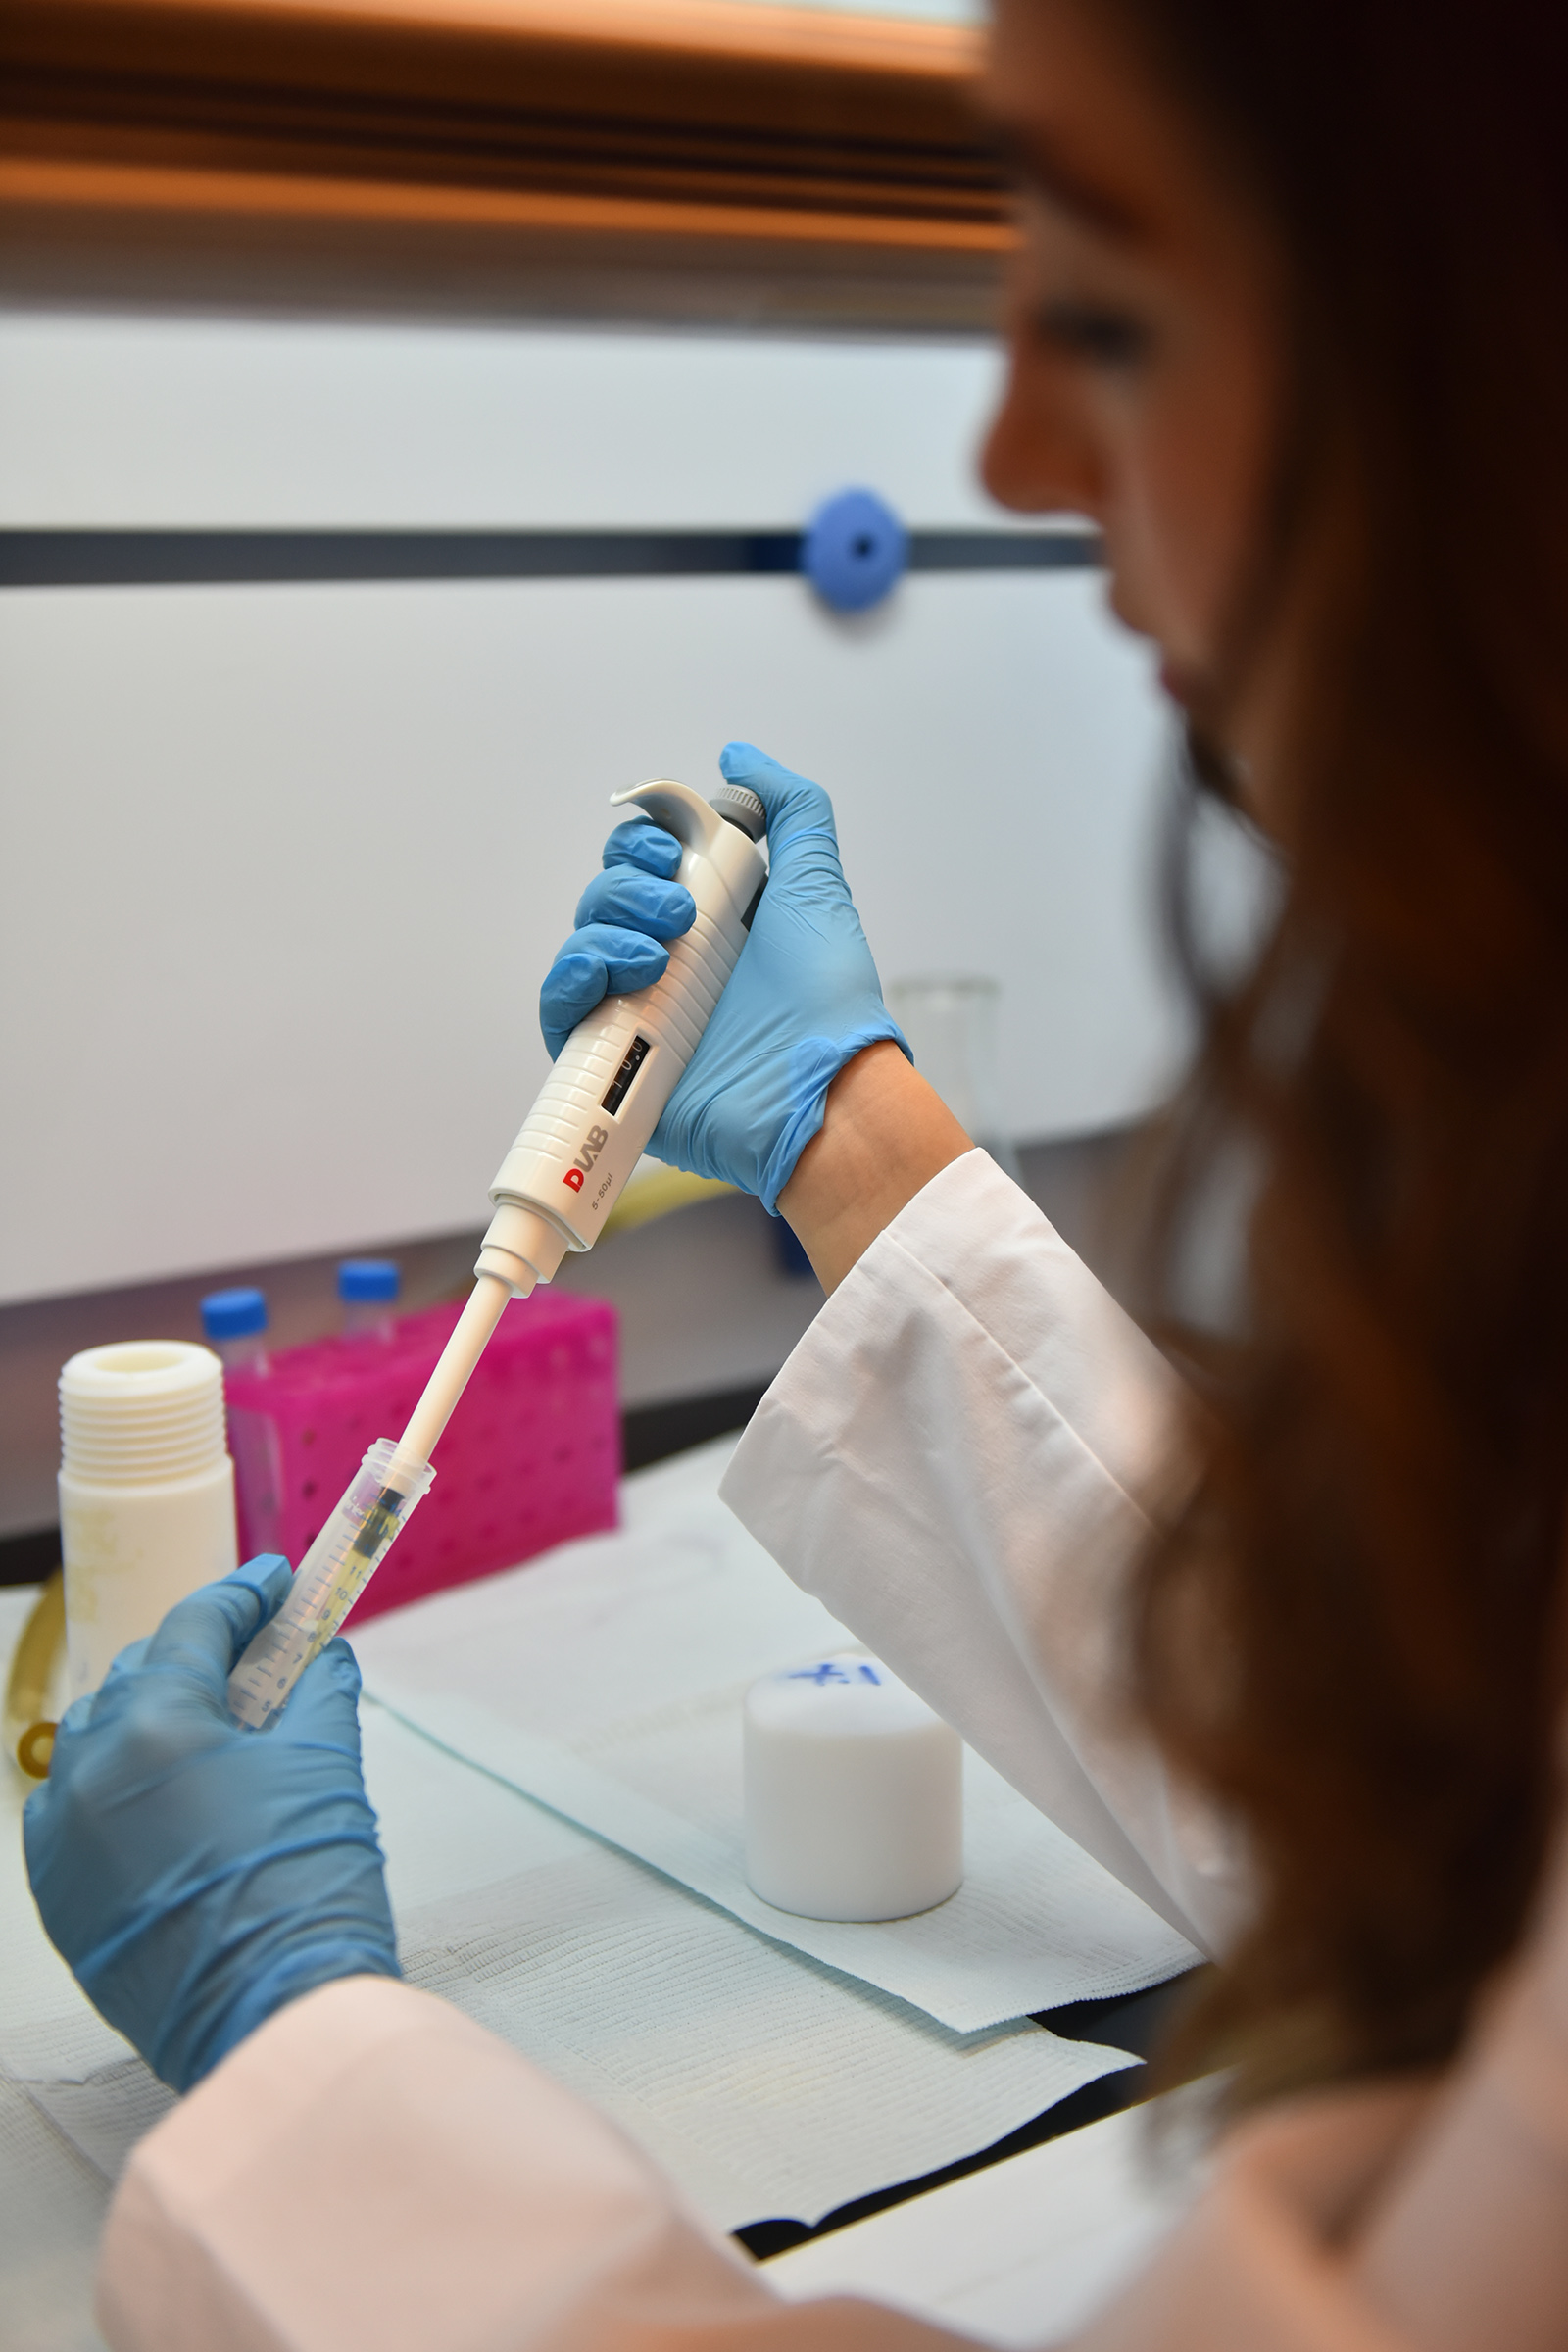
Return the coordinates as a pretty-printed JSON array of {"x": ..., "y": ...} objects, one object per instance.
[
  {"x": 281, "y": 869},
  {"x": 156, "y": 423}
]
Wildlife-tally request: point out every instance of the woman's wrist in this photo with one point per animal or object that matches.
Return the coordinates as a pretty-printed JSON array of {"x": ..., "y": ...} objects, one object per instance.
[{"x": 885, "y": 1132}]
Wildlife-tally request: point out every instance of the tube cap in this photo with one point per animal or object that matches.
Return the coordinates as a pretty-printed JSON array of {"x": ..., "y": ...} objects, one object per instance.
[
  {"x": 233, "y": 1314},
  {"x": 374, "y": 1279}
]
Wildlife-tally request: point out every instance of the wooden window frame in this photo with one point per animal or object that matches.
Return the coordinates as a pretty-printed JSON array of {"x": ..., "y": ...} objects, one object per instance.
[{"x": 700, "y": 158}]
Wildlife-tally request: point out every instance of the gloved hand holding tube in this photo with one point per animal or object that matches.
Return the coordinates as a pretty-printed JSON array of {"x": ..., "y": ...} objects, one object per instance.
[
  {"x": 803, "y": 1000},
  {"x": 194, "y": 1877}
]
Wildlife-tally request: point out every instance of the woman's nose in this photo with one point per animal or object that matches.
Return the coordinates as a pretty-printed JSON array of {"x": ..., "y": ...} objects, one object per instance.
[{"x": 1038, "y": 456}]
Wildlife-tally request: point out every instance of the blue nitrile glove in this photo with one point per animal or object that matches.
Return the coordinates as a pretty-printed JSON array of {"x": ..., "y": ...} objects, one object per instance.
[
  {"x": 803, "y": 999},
  {"x": 197, "y": 1876}
]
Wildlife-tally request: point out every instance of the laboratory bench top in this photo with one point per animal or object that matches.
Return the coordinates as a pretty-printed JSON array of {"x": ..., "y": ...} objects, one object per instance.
[{"x": 1020, "y": 2152}]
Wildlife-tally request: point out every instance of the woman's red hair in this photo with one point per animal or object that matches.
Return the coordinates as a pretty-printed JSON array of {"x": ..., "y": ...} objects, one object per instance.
[{"x": 1353, "y": 1638}]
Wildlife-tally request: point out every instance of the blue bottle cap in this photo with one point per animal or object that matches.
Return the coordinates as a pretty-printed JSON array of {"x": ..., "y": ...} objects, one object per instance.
[
  {"x": 373, "y": 1278},
  {"x": 855, "y": 550},
  {"x": 233, "y": 1314}
]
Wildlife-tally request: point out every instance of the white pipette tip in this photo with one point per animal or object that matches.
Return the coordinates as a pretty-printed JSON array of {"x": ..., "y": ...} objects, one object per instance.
[
  {"x": 403, "y": 1471},
  {"x": 446, "y": 1383}
]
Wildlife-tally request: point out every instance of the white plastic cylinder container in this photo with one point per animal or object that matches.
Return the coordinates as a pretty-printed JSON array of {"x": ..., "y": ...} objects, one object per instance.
[
  {"x": 854, "y": 1794},
  {"x": 146, "y": 1492}
]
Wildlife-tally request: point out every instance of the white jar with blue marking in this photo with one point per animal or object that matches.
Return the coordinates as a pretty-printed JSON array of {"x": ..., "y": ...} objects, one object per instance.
[{"x": 854, "y": 1794}]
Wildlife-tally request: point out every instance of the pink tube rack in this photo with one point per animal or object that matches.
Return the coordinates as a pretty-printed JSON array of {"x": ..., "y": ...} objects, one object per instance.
[{"x": 530, "y": 1457}]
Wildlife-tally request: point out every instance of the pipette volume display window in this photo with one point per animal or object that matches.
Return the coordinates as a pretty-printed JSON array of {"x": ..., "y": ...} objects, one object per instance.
[{"x": 637, "y": 1054}]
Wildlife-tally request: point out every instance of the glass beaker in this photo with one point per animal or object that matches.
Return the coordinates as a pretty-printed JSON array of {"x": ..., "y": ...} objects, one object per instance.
[{"x": 950, "y": 1023}]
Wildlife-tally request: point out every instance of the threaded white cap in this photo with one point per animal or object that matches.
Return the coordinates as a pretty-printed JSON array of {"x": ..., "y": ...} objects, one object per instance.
[{"x": 141, "y": 1413}]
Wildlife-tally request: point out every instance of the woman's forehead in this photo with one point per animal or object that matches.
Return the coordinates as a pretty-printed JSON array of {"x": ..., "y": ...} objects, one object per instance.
[
  {"x": 1045, "y": 164},
  {"x": 1089, "y": 125}
]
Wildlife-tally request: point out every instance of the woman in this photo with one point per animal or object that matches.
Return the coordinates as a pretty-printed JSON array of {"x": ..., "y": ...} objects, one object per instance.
[{"x": 1289, "y": 324}]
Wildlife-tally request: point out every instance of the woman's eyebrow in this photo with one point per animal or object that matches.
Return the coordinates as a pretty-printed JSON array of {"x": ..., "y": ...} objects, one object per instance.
[{"x": 1038, "y": 165}]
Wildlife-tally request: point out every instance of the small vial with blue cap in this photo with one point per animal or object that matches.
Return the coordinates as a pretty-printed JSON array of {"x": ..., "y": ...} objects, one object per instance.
[
  {"x": 234, "y": 1325},
  {"x": 367, "y": 1288}
]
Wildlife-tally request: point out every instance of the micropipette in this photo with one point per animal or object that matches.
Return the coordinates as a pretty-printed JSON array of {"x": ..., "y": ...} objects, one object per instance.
[{"x": 585, "y": 1134}]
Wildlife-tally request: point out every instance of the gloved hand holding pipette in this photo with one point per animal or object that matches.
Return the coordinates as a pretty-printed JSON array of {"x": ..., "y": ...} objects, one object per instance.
[
  {"x": 197, "y": 1878},
  {"x": 614, "y": 1077},
  {"x": 803, "y": 1000}
]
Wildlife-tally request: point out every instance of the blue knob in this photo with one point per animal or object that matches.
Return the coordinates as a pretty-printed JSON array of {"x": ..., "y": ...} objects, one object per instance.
[{"x": 855, "y": 550}]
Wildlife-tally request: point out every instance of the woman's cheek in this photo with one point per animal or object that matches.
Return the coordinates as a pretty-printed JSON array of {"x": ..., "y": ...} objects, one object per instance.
[{"x": 1178, "y": 539}]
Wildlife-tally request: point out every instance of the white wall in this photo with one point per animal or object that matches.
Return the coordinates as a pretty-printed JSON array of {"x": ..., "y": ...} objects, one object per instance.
[
  {"x": 280, "y": 868},
  {"x": 121, "y": 421}
]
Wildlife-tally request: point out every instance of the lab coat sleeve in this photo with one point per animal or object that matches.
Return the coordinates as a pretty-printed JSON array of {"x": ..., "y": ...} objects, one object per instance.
[
  {"x": 964, "y": 1458},
  {"x": 372, "y": 2171}
]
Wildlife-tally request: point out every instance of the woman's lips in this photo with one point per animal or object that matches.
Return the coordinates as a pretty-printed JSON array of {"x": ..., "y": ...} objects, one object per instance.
[
  {"x": 1179, "y": 680},
  {"x": 1183, "y": 685}
]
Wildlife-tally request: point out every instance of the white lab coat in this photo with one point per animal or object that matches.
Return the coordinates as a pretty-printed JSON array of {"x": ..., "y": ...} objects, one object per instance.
[{"x": 963, "y": 1459}]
